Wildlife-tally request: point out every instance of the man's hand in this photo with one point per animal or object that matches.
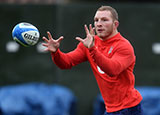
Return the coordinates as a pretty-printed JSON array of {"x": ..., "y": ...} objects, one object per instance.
[
  {"x": 89, "y": 40},
  {"x": 51, "y": 44}
]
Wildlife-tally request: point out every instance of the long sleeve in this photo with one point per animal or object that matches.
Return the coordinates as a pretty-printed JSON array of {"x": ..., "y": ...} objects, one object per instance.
[
  {"x": 70, "y": 59},
  {"x": 123, "y": 57}
]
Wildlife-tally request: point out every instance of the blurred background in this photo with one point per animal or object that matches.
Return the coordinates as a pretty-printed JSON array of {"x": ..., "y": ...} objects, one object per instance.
[{"x": 139, "y": 23}]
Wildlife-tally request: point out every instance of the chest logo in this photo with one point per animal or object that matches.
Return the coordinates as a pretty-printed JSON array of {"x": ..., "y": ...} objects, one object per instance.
[{"x": 110, "y": 50}]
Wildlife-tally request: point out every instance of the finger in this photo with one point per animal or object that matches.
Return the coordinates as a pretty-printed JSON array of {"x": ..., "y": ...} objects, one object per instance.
[
  {"x": 59, "y": 39},
  {"x": 79, "y": 39},
  {"x": 46, "y": 49},
  {"x": 45, "y": 39},
  {"x": 49, "y": 35},
  {"x": 86, "y": 29},
  {"x": 92, "y": 29},
  {"x": 44, "y": 44}
]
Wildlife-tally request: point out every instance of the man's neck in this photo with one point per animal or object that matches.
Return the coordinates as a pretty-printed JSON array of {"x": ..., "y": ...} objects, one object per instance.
[{"x": 111, "y": 35}]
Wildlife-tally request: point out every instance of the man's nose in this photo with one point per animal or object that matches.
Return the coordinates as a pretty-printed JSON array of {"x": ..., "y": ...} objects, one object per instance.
[{"x": 99, "y": 23}]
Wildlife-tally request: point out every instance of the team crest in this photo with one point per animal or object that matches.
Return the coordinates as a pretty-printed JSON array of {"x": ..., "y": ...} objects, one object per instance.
[{"x": 110, "y": 50}]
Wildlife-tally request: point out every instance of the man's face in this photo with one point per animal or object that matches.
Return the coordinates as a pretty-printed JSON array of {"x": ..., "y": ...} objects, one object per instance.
[{"x": 104, "y": 24}]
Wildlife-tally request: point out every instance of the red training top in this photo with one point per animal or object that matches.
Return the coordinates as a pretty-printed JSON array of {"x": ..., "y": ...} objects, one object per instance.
[{"x": 112, "y": 62}]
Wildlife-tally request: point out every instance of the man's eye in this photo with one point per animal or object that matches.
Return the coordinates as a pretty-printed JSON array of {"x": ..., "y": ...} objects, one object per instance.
[
  {"x": 104, "y": 19},
  {"x": 96, "y": 20}
]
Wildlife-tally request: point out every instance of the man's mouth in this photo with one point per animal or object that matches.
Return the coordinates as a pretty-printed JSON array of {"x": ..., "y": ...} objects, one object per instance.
[{"x": 100, "y": 30}]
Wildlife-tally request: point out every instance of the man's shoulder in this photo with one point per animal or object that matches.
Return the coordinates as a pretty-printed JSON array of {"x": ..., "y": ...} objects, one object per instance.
[{"x": 124, "y": 41}]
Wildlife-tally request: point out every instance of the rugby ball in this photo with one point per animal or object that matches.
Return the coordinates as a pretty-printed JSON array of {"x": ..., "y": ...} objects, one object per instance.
[{"x": 25, "y": 34}]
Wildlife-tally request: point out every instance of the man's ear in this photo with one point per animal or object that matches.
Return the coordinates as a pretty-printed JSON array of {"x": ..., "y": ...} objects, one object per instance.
[{"x": 116, "y": 24}]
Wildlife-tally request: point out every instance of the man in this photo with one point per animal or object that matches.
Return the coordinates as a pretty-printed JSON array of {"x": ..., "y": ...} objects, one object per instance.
[{"x": 112, "y": 60}]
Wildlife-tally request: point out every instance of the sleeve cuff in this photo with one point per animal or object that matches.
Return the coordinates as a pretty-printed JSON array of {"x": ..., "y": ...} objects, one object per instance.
[
  {"x": 55, "y": 53},
  {"x": 92, "y": 51}
]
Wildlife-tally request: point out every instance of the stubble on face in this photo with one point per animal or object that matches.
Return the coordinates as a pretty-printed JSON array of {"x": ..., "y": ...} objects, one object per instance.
[{"x": 104, "y": 24}]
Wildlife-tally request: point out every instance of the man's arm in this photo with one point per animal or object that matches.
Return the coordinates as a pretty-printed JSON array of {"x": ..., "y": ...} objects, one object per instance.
[
  {"x": 68, "y": 60},
  {"x": 122, "y": 58},
  {"x": 64, "y": 60}
]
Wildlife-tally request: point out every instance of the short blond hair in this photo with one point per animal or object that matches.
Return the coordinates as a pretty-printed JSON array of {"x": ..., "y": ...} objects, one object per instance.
[{"x": 111, "y": 9}]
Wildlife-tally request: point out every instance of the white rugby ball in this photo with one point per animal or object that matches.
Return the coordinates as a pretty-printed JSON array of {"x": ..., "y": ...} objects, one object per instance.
[{"x": 25, "y": 34}]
